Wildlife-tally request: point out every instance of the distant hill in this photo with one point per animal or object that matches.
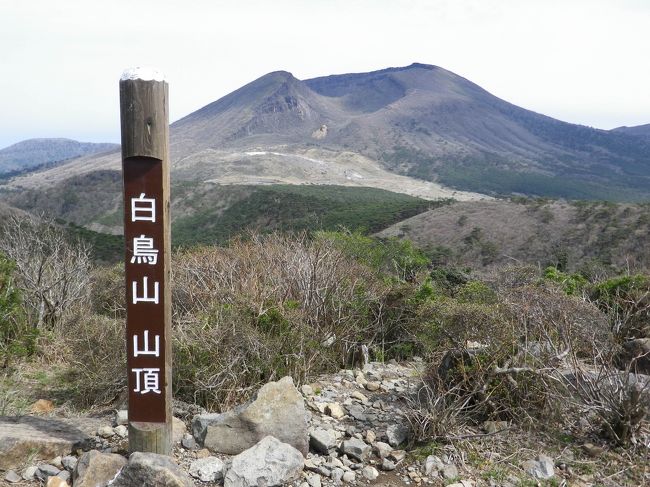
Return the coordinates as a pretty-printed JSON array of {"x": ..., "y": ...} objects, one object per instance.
[
  {"x": 638, "y": 130},
  {"x": 581, "y": 235},
  {"x": 32, "y": 153}
]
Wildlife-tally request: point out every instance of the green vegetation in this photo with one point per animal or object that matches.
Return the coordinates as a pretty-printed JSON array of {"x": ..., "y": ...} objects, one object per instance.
[{"x": 294, "y": 208}]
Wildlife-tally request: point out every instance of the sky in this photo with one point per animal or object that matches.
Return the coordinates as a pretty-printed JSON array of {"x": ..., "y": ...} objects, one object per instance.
[{"x": 581, "y": 61}]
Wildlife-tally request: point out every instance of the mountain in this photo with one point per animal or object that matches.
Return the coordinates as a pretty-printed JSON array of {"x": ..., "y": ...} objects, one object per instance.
[
  {"x": 32, "y": 153},
  {"x": 426, "y": 122},
  {"x": 638, "y": 130}
]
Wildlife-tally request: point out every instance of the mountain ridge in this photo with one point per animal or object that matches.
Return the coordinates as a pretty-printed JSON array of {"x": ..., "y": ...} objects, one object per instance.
[{"x": 30, "y": 153}]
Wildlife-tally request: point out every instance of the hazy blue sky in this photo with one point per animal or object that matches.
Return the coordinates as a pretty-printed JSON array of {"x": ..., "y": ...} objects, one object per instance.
[{"x": 583, "y": 61}]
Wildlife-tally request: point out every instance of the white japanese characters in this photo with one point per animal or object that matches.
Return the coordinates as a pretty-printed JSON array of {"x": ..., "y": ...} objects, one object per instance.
[
  {"x": 143, "y": 251},
  {"x": 145, "y": 298},
  {"x": 143, "y": 209},
  {"x": 147, "y": 380},
  {"x": 145, "y": 345}
]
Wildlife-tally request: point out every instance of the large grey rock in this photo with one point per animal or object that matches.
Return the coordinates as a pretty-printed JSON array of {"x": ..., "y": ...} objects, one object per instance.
[
  {"x": 151, "y": 469},
  {"x": 278, "y": 410},
  {"x": 41, "y": 438},
  {"x": 209, "y": 469},
  {"x": 96, "y": 469},
  {"x": 356, "y": 448},
  {"x": 268, "y": 463}
]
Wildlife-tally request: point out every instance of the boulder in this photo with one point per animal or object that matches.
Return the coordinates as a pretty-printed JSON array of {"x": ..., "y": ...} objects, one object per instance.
[
  {"x": 151, "y": 469},
  {"x": 268, "y": 463},
  {"x": 278, "y": 410},
  {"x": 38, "y": 438},
  {"x": 97, "y": 469}
]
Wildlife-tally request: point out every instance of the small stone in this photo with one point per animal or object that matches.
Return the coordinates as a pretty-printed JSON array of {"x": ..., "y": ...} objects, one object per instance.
[
  {"x": 65, "y": 475},
  {"x": 371, "y": 436},
  {"x": 69, "y": 462},
  {"x": 29, "y": 473},
  {"x": 450, "y": 472},
  {"x": 45, "y": 471},
  {"x": 209, "y": 469},
  {"x": 42, "y": 406},
  {"x": 359, "y": 397},
  {"x": 56, "y": 462},
  {"x": 349, "y": 477},
  {"x": 397, "y": 434},
  {"x": 355, "y": 448},
  {"x": 188, "y": 442},
  {"x": 397, "y": 455},
  {"x": 369, "y": 472},
  {"x": 307, "y": 390},
  {"x": 122, "y": 417},
  {"x": 314, "y": 480},
  {"x": 433, "y": 464},
  {"x": 121, "y": 431},
  {"x": 12, "y": 477},
  {"x": 335, "y": 410},
  {"x": 203, "y": 453},
  {"x": 592, "y": 450},
  {"x": 372, "y": 386},
  {"x": 322, "y": 440},
  {"x": 106, "y": 432},
  {"x": 56, "y": 482},
  {"x": 387, "y": 465},
  {"x": 361, "y": 379},
  {"x": 543, "y": 467},
  {"x": 382, "y": 449},
  {"x": 492, "y": 427},
  {"x": 337, "y": 474}
]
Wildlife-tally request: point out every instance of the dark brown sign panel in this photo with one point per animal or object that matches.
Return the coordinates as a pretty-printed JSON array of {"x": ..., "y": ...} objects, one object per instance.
[{"x": 145, "y": 285}]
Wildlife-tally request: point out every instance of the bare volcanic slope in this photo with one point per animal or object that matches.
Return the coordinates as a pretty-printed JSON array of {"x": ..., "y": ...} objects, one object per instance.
[{"x": 32, "y": 153}]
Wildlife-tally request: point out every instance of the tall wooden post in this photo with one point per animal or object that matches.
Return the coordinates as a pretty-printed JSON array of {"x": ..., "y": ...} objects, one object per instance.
[{"x": 144, "y": 113}]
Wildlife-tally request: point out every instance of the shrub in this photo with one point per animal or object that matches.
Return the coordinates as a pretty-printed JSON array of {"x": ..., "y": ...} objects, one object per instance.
[
  {"x": 626, "y": 299},
  {"x": 17, "y": 338}
]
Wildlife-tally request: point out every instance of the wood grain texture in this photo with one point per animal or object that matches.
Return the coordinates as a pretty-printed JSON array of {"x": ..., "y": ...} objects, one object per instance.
[{"x": 144, "y": 109}]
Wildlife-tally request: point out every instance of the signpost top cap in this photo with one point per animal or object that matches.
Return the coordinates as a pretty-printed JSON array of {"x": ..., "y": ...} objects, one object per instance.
[{"x": 145, "y": 73}]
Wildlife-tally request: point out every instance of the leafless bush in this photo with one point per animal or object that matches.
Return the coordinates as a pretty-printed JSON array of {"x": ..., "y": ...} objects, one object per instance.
[
  {"x": 614, "y": 402},
  {"x": 53, "y": 272},
  {"x": 265, "y": 307},
  {"x": 505, "y": 359}
]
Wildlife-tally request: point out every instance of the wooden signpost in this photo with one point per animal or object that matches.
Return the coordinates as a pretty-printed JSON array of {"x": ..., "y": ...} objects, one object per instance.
[{"x": 144, "y": 113}]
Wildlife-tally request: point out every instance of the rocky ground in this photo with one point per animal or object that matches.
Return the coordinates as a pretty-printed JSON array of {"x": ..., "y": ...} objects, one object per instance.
[{"x": 349, "y": 428}]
